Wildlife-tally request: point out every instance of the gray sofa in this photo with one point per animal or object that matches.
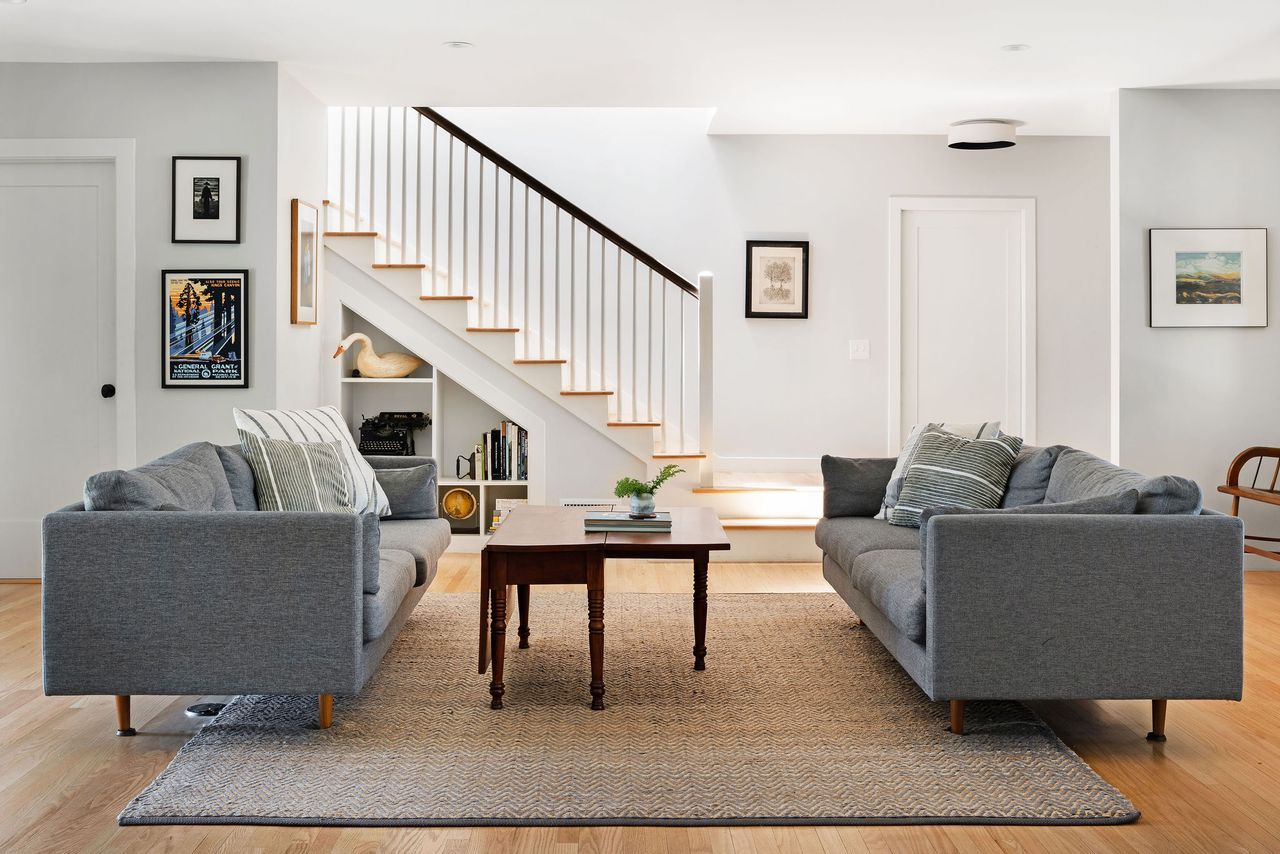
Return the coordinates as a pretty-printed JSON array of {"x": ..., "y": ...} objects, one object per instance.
[
  {"x": 1009, "y": 605},
  {"x": 227, "y": 601}
]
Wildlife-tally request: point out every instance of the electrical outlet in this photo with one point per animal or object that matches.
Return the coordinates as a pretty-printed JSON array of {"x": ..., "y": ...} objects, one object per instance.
[{"x": 859, "y": 348}]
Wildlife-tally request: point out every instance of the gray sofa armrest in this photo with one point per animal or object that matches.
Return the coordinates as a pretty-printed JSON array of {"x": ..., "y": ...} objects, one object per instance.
[
  {"x": 202, "y": 603},
  {"x": 1060, "y": 607},
  {"x": 854, "y": 486}
]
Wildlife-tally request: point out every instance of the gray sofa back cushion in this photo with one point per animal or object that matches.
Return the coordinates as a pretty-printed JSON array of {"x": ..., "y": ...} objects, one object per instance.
[
  {"x": 853, "y": 487},
  {"x": 410, "y": 485},
  {"x": 239, "y": 476},
  {"x": 1119, "y": 503},
  {"x": 1029, "y": 480},
  {"x": 190, "y": 478},
  {"x": 1079, "y": 474}
]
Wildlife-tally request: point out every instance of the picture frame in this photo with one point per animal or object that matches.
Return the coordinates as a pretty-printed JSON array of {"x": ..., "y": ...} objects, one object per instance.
[
  {"x": 205, "y": 199},
  {"x": 205, "y": 323},
  {"x": 304, "y": 264},
  {"x": 1207, "y": 277},
  {"x": 777, "y": 278}
]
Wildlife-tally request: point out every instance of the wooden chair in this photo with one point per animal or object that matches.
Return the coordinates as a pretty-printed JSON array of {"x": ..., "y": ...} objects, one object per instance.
[{"x": 1253, "y": 492}]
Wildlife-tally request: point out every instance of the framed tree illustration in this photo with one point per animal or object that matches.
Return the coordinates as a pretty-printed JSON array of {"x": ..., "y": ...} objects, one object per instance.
[{"x": 778, "y": 278}]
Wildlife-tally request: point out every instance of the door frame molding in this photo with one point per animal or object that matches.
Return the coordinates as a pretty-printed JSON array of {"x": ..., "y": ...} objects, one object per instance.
[
  {"x": 121, "y": 153},
  {"x": 1026, "y": 206}
]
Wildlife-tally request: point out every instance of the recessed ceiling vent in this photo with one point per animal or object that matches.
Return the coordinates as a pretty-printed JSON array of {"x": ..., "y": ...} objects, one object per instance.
[{"x": 979, "y": 134}]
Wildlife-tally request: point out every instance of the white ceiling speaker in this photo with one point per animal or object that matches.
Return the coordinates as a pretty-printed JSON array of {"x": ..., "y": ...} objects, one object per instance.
[{"x": 980, "y": 134}]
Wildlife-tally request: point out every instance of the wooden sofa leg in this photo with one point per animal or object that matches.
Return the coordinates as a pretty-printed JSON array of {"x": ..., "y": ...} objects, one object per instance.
[
  {"x": 1158, "y": 709},
  {"x": 326, "y": 711},
  {"x": 957, "y": 717},
  {"x": 122, "y": 716}
]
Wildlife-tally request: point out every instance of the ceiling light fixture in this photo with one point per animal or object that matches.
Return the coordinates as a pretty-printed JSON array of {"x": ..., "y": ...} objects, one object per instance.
[
  {"x": 982, "y": 134},
  {"x": 1017, "y": 47},
  {"x": 458, "y": 45}
]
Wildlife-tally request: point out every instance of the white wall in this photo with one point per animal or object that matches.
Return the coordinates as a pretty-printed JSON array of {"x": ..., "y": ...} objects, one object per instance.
[
  {"x": 173, "y": 108},
  {"x": 1191, "y": 399},
  {"x": 302, "y": 128},
  {"x": 785, "y": 391}
]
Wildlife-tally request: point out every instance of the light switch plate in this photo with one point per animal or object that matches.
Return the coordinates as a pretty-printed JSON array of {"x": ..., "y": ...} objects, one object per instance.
[{"x": 859, "y": 348}]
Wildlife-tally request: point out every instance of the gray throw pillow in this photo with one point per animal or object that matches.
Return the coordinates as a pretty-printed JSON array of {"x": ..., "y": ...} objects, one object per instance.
[
  {"x": 949, "y": 471},
  {"x": 983, "y": 430},
  {"x": 1121, "y": 503},
  {"x": 1079, "y": 474},
  {"x": 411, "y": 491},
  {"x": 239, "y": 477},
  {"x": 298, "y": 477},
  {"x": 190, "y": 478},
  {"x": 850, "y": 486},
  {"x": 1029, "y": 479}
]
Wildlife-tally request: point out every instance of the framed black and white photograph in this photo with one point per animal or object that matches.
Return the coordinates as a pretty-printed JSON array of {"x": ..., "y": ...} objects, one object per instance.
[
  {"x": 304, "y": 269},
  {"x": 1208, "y": 276},
  {"x": 778, "y": 278},
  {"x": 206, "y": 329},
  {"x": 206, "y": 200}
]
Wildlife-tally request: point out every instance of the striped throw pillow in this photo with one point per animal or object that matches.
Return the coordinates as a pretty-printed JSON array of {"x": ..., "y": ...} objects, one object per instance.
[
  {"x": 950, "y": 471},
  {"x": 297, "y": 477},
  {"x": 983, "y": 430},
  {"x": 324, "y": 424}
]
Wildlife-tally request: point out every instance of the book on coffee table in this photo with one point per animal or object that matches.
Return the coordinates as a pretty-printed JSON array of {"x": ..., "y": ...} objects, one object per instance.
[{"x": 602, "y": 520}]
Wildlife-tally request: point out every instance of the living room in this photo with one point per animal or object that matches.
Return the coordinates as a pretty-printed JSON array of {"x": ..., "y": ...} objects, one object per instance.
[{"x": 892, "y": 379}]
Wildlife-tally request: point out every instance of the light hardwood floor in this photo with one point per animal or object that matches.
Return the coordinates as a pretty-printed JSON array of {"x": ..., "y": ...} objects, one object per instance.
[{"x": 1214, "y": 786}]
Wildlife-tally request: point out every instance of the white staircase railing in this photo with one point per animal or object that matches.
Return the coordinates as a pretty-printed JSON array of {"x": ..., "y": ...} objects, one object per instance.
[{"x": 531, "y": 263}]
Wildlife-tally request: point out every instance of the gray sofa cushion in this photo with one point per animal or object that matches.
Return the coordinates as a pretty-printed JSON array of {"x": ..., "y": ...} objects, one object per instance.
[
  {"x": 846, "y": 538},
  {"x": 190, "y": 478},
  {"x": 1078, "y": 474},
  {"x": 396, "y": 572},
  {"x": 425, "y": 539},
  {"x": 239, "y": 476},
  {"x": 410, "y": 489},
  {"x": 1122, "y": 503},
  {"x": 950, "y": 471},
  {"x": 893, "y": 581},
  {"x": 854, "y": 487},
  {"x": 1029, "y": 479}
]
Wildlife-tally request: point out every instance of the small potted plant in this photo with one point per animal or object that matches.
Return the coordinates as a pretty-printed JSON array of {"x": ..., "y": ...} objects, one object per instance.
[{"x": 641, "y": 493}]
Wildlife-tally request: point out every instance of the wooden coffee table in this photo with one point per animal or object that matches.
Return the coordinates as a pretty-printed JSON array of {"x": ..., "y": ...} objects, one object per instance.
[{"x": 547, "y": 545}]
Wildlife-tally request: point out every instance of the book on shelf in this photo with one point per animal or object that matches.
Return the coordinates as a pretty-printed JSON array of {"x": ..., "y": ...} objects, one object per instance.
[
  {"x": 504, "y": 453},
  {"x": 620, "y": 521}
]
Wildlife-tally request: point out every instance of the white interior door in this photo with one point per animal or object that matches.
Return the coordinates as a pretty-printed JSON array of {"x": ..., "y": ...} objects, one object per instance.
[
  {"x": 57, "y": 344},
  {"x": 964, "y": 305}
]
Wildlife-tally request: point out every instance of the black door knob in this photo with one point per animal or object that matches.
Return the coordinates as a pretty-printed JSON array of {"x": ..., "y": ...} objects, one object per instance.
[{"x": 108, "y": 390}]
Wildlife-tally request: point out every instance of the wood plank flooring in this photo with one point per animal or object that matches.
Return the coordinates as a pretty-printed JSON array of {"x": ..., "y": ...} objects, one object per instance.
[{"x": 1214, "y": 786}]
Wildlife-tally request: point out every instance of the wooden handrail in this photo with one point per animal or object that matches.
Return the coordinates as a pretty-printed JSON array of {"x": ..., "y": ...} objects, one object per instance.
[{"x": 559, "y": 201}]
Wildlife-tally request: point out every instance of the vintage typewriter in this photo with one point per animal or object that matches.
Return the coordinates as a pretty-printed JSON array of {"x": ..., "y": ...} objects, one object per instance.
[{"x": 390, "y": 434}]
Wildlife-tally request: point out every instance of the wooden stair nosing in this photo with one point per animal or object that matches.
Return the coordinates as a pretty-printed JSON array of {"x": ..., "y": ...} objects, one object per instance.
[
  {"x": 399, "y": 266},
  {"x": 492, "y": 329},
  {"x": 734, "y": 490},
  {"x": 679, "y": 456},
  {"x": 575, "y": 393},
  {"x": 351, "y": 234},
  {"x": 446, "y": 297},
  {"x": 538, "y": 361},
  {"x": 768, "y": 524},
  {"x": 633, "y": 424}
]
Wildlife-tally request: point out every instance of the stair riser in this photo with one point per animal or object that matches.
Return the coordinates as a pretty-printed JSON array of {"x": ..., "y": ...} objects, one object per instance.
[
  {"x": 770, "y": 546},
  {"x": 749, "y": 505},
  {"x": 358, "y": 250}
]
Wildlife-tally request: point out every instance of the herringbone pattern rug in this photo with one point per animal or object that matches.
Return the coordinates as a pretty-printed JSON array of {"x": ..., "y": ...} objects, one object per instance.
[{"x": 800, "y": 717}]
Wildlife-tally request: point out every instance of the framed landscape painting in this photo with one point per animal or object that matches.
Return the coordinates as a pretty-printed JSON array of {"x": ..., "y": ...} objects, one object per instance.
[
  {"x": 206, "y": 200},
  {"x": 304, "y": 269},
  {"x": 1208, "y": 276},
  {"x": 778, "y": 278},
  {"x": 206, "y": 329}
]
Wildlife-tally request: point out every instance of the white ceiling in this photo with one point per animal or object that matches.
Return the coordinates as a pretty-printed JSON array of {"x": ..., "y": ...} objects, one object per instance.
[{"x": 806, "y": 66}]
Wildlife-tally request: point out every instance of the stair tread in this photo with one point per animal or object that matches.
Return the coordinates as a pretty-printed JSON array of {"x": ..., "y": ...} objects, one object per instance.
[
  {"x": 765, "y": 482},
  {"x": 351, "y": 234},
  {"x": 576, "y": 393},
  {"x": 769, "y": 523},
  {"x": 539, "y": 361},
  {"x": 492, "y": 329},
  {"x": 634, "y": 423},
  {"x": 446, "y": 297},
  {"x": 399, "y": 266},
  {"x": 679, "y": 456}
]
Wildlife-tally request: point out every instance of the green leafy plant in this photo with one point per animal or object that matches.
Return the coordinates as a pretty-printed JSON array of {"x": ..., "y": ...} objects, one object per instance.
[{"x": 629, "y": 486}]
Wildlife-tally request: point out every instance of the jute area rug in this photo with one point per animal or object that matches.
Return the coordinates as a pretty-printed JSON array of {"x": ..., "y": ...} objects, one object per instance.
[{"x": 801, "y": 717}]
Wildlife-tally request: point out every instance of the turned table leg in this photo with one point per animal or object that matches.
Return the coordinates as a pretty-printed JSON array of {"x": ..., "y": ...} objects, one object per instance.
[
  {"x": 700, "y": 611},
  {"x": 595, "y": 614},
  {"x": 522, "y": 593},
  {"x": 498, "y": 627},
  {"x": 122, "y": 716},
  {"x": 1158, "y": 710}
]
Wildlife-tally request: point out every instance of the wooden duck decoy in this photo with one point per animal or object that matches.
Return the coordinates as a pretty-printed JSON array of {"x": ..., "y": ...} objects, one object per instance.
[{"x": 370, "y": 364}]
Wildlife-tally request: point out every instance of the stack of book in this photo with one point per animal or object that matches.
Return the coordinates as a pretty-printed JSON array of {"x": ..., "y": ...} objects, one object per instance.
[
  {"x": 599, "y": 520},
  {"x": 503, "y": 453}
]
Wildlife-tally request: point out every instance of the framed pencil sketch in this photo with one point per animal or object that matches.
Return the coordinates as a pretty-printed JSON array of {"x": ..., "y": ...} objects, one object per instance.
[
  {"x": 206, "y": 329},
  {"x": 304, "y": 268},
  {"x": 1208, "y": 276},
  {"x": 206, "y": 200},
  {"x": 778, "y": 278}
]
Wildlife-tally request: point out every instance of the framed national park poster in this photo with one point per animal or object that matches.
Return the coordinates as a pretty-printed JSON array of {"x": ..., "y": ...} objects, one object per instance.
[
  {"x": 1208, "y": 276},
  {"x": 304, "y": 269},
  {"x": 778, "y": 278},
  {"x": 206, "y": 200},
  {"x": 206, "y": 329}
]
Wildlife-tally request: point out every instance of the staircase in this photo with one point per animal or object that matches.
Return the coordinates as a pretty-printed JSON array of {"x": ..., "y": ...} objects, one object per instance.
[{"x": 543, "y": 288}]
